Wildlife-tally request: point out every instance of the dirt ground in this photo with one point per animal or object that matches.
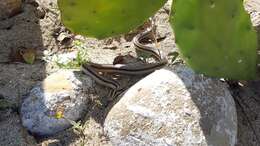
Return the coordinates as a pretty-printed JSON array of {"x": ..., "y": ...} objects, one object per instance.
[{"x": 38, "y": 26}]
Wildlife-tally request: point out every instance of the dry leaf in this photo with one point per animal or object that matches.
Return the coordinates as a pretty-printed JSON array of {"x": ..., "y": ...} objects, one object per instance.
[{"x": 28, "y": 55}]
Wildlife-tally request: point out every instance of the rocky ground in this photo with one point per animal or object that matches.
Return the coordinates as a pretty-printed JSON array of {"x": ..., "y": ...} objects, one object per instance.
[{"x": 38, "y": 27}]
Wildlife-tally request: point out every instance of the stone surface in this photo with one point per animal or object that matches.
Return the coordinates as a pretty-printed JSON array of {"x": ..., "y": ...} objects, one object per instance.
[
  {"x": 174, "y": 107},
  {"x": 253, "y": 8},
  {"x": 64, "y": 92},
  {"x": 18, "y": 79},
  {"x": 13, "y": 134},
  {"x": 9, "y": 8}
]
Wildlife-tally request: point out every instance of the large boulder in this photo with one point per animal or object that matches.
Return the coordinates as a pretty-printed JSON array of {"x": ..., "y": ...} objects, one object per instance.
[{"x": 174, "y": 107}]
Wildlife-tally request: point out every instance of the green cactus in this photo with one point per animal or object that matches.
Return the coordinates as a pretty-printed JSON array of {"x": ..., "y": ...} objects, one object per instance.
[
  {"x": 216, "y": 37},
  {"x": 105, "y": 18}
]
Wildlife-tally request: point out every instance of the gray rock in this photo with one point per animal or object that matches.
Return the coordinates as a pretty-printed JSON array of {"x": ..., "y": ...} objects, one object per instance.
[
  {"x": 174, "y": 107},
  {"x": 64, "y": 92}
]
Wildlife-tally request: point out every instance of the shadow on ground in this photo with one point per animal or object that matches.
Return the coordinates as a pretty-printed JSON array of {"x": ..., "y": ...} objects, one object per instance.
[
  {"x": 17, "y": 77},
  {"x": 247, "y": 99}
]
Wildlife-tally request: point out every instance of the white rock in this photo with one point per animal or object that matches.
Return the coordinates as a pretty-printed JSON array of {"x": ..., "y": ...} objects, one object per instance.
[
  {"x": 65, "y": 58},
  {"x": 61, "y": 91},
  {"x": 174, "y": 107}
]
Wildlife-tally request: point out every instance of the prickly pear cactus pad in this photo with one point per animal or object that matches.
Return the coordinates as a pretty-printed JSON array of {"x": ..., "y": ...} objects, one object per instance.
[
  {"x": 105, "y": 18},
  {"x": 216, "y": 37}
]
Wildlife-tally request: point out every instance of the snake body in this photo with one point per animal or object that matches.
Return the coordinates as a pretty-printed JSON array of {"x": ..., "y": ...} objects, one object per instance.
[{"x": 94, "y": 69}]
